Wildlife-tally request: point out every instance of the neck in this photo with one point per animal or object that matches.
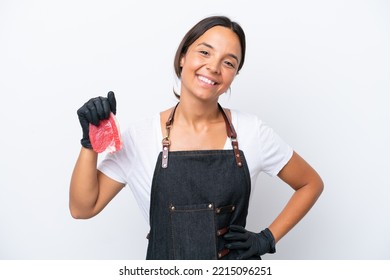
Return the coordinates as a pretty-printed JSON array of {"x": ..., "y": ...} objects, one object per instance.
[{"x": 197, "y": 112}]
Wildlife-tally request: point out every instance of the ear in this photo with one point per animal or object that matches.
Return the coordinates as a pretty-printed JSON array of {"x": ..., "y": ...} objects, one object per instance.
[{"x": 182, "y": 60}]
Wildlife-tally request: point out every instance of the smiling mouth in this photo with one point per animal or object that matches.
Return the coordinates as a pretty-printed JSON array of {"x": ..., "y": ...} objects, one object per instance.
[{"x": 207, "y": 81}]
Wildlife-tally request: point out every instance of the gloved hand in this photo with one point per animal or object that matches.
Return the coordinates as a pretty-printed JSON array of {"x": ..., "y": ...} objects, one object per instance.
[
  {"x": 253, "y": 244},
  {"x": 93, "y": 111}
]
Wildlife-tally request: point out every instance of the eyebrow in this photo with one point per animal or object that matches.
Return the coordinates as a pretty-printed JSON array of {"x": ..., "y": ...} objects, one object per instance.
[{"x": 211, "y": 47}]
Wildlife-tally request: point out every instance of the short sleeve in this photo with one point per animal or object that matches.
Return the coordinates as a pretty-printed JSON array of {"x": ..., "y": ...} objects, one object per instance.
[
  {"x": 117, "y": 165},
  {"x": 275, "y": 152},
  {"x": 134, "y": 164},
  {"x": 264, "y": 149}
]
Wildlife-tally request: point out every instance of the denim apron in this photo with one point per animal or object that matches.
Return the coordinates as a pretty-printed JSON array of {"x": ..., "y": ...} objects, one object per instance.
[{"x": 195, "y": 196}]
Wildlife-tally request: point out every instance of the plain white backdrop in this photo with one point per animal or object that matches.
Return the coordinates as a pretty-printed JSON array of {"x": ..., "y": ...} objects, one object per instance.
[{"x": 318, "y": 72}]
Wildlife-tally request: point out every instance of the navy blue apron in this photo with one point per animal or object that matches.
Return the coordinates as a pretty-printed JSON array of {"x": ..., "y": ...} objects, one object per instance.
[{"x": 195, "y": 196}]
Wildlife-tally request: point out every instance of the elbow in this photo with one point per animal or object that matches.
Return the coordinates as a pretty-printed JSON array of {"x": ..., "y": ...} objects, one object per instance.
[
  {"x": 78, "y": 214},
  {"x": 319, "y": 186}
]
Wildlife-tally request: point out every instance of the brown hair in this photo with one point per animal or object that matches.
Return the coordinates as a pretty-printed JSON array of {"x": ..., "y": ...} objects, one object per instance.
[{"x": 201, "y": 27}]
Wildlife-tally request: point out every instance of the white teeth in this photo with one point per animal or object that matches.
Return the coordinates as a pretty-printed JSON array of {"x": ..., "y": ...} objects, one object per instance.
[{"x": 204, "y": 79}]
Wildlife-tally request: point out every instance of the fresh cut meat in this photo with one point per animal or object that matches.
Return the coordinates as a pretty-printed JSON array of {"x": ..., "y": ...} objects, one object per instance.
[{"x": 106, "y": 136}]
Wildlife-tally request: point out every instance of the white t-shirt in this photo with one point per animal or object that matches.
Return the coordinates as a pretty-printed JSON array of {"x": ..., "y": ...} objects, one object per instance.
[{"x": 134, "y": 164}]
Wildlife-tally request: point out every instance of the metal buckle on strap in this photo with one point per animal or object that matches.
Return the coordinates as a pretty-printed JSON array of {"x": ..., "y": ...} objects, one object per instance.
[
  {"x": 166, "y": 142},
  {"x": 229, "y": 130}
]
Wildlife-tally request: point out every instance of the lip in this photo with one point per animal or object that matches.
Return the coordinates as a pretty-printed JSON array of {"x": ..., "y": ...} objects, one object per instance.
[{"x": 207, "y": 80}]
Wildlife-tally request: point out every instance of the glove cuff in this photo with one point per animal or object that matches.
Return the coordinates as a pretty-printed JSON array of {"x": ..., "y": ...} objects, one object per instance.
[
  {"x": 270, "y": 237},
  {"x": 86, "y": 143}
]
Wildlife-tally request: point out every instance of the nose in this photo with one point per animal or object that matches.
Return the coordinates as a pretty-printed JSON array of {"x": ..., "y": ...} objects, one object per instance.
[{"x": 214, "y": 66}]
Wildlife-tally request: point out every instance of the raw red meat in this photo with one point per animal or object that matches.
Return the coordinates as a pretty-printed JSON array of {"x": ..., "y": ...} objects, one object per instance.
[{"x": 106, "y": 137}]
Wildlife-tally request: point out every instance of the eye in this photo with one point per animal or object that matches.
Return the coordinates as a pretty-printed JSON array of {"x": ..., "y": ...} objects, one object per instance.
[
  {"x": 204, "y": 52},
  {"x": 230, "y": 64}
]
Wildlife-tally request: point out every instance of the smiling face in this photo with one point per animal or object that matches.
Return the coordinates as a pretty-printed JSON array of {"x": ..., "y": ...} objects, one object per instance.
[{"x": 210, "y": 64}]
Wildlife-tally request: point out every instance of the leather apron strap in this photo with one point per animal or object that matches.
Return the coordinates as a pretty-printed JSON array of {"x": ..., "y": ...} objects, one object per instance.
[{"x": 231, "y": 133}]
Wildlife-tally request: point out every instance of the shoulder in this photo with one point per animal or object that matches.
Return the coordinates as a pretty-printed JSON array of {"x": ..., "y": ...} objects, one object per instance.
[
  {"x": 243, "y": 116},
  {"x": 264, "y": 148},
  {"x": 142, "y": 125},
  {"x": 140, "y": 132},
  {"x": 252, "y": 128},
  {"x": 246, "y": 122}
]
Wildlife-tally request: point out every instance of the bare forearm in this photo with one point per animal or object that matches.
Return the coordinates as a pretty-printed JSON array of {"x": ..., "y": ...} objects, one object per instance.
[
  {"x": 84, "y": 183},
  {"x": 297, "y": 207}
]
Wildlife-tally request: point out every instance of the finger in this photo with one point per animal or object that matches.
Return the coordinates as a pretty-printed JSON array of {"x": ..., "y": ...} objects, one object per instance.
[
  {"x": 235, "y": 236},
  {"x": 237, "y": 228},
  {"x": 92, "y": 114},
  {"x": 84, "y": 118},
  {"x": 99, "y": 108},
  {"x": 106, "y": 108},
  {"x": 112, "y": 101},
  {"x": 88, "y": 116},
  {"x": 246, "y": 254},
  {"x": 83, "y": 111},
  {"x": 237, "y": 245}
]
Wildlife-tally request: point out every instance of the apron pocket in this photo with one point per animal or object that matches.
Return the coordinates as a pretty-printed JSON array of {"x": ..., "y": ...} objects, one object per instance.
[{"x": 193, "y": 231}]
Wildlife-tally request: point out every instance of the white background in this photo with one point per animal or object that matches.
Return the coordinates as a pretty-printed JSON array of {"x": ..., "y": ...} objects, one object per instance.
[{"x": 318, "y": 72}]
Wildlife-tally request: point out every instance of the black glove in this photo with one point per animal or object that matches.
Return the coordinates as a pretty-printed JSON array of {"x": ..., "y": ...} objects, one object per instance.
[
  {"x": 93, "y": 111},
  {"x": 253, "y": 244}
]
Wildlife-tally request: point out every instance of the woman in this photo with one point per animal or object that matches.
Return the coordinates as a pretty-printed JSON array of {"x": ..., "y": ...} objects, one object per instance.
[{"x": 196, "y": 194}]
